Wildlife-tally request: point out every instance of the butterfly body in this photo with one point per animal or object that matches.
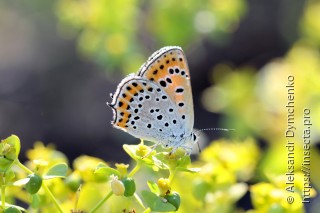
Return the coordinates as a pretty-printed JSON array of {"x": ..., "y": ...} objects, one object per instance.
[{"x": 156, "y": 104}]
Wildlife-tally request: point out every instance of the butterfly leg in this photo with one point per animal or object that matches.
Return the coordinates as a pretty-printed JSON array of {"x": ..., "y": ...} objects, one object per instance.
[
  {"x": 174, "y": 149},
  {"x": 199, "y": 146},
  {"x": 188, "y": 149}
]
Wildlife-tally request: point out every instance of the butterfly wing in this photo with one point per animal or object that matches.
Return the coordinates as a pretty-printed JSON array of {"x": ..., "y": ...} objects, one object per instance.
[
  {"x": 143, "y": 109},
  {"x": 168, "y": 68}
]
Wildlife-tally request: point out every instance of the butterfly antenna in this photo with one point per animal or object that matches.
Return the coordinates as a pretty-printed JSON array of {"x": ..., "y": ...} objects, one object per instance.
[
  {"x": 212, "y": 129},
  {"x": 216, "y": 129}
]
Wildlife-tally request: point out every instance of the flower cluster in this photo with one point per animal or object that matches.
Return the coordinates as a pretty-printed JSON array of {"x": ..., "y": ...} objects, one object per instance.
[{"x": 155, "y": 181}]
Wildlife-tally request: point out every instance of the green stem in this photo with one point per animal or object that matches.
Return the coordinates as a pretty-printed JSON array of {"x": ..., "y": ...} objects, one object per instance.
[
  {"x": 134, "y": 170},
  {"x": 171, "y": 176},
  {"x": 101, "y": 202},
  {"x": 148, "y": 210},
  {"x": 3, "y": 196},
  {"x": 55, "y": 202},
  {"x": 23, "y": 167},
  {"x": 136, "y": 196}
]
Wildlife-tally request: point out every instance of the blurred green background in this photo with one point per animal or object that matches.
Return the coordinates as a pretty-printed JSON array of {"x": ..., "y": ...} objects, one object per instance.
[{"x": 59, "y": 60}]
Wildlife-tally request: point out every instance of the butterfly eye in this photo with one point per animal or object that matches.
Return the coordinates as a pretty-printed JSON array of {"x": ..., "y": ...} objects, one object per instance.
[{"x": 194, "y": 137}]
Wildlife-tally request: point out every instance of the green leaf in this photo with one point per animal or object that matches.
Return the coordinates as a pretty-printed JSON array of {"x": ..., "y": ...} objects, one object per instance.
[
  {"x": 5, "y": 164},
  {"x": 21, "y": 182},
  {"x": 165, "y": 161},
  {"x": 200, "y": 189},
  {"x": 9, "y": 175},
  {"x": 184, "y": 161},
  {"x": 58, "y": 170},
  {"x": 11, "y": 210},
  {"x": 15, "y": 206},
  {"x": 153, "y": 187},
  {"x": 35, "y": 203},
  {"x": 73, "y": 181},
  {"x": 191, "y": 170},
  {"x": 131, "y": 151},
  {"x": 156, "y": 203},
  {"x": 106, "y": 170},
  {"x": 160, "y": 160}
]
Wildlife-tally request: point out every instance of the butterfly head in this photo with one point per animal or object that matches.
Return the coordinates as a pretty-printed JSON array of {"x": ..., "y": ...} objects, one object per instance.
[{"x": 189, "y": 142}]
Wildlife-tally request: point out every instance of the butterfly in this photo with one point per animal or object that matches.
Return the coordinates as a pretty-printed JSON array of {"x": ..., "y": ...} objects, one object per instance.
[{"x": 156, "y": 103}]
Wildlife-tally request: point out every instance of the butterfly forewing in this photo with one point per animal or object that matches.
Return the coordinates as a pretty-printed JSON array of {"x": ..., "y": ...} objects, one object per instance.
[
  {"x": 168, "y": 69},
  {"x": 145, "y": 110}
]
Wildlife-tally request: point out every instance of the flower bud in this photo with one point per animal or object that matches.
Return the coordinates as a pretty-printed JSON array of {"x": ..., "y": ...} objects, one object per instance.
[
  {"x": 117, "y": 186},
  {"x": 129, "y": 185},
  {"x": 142, "y": 150},
  {"x": 164, "y": 186},
  {"x": 34, "y": 183},
  {"x": 122, "y": 168},
  {"x": 174, "y": 199}
]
